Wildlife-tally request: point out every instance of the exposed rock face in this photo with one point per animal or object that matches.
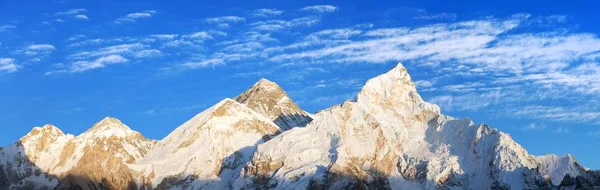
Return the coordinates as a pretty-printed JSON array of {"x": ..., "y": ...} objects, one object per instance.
[
  {"x": 268, "y": 99},
  {"x": 386, "y": 138}
]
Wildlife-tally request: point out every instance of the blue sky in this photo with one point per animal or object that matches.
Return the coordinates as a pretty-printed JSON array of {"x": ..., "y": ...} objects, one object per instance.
[{"x": 530, "y": 69}]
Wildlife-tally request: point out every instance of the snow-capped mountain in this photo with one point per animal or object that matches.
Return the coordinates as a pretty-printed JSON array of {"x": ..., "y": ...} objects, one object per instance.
[
  {"x": 209, "y": 150},
  {"x": 386, "y": 138},
  {"x": 96, "y": 159}
]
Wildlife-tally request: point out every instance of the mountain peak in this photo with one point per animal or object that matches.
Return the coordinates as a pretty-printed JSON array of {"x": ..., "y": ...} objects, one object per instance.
[
  {"x": 264, "y": 81},
  {"x": 267, "y": 98},
  {"x": 267, "y": 85},
  {"x": 108, "y": 127},
  {"x": 46, "y": 130},
  {"x": 396, "y": 86}
]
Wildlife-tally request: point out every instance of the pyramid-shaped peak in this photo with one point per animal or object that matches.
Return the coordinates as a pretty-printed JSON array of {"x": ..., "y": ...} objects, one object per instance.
[
  {"x": 267, "y": 85},
  {"x": 265, "y": 81},
  {"x": 108, "y": 127},
  {"x": 390, "y": 89},
  {"x": 399, "y": 68},
  {"x": 398, "y": 74},
  {"x": 268, "y": 99}
]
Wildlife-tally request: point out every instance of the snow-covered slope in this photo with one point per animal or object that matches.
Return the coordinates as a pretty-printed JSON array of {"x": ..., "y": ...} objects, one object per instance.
[
  {"x": 268, "y": 99},
  {"x": 386, "y": 138},
  {"x": 389, "y": 138},
  {"x": 208, "y": 150},
  {"x": 96, "y": 158}
]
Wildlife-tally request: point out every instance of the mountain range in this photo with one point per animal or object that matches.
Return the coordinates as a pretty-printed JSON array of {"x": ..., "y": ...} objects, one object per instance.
[{"x": 387, "y": 137}]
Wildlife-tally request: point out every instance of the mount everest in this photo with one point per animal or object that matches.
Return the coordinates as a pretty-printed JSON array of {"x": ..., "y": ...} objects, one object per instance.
[{"x": 386, "y": 138}]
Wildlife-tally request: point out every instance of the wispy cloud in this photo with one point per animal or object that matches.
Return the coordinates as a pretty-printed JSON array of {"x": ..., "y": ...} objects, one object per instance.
[
  {"x": 266, "y": 12},
  {"x": 232, "y": 19},
  {"x": 320, "y": 8},
  {"x": 164, "y": 36},
  {"x": 99, "y": 55},
  {"x": 4, "y": 28},
  {"x": 168, "y": 110},
  {"x": 224, "y": 21},
  {"x": 439, "y": 16},
  {"x": 8, "y": 65},
  {"x": 558, "y": 114},
  {"x": 534, "y": 126},
  {"x": 81, "y": 66},
  {"x": 424, "y": 83},
  {"x": 81, "y": 17},
  {"x": 595, "y": 133},
  {"x": 202, "y": 35},
  {"x": 278, "y": 25},
  {"x": 74, "y": 13},
  {"x": 417, "y": 13},
  {"x": 40, "y": 47},
  {"x": 562, "y": 130},
  {"x": 499, "y": 64},
  {"x": 132, "y": 17},
  {"x": 109, "y": 50},
  {"x": 204, "y": 63},
  {"x": 37, "y": 50},
  {"x": 148, "y": 53},
  {"x": 504, "y": 66}
]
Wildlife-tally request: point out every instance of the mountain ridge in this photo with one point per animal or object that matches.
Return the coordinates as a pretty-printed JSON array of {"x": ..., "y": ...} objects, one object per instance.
[{"x": 387, "y": 137}]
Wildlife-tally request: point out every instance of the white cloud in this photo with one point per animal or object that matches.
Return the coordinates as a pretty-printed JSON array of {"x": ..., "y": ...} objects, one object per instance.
[
  {"x": 198, "y": 36},
  {"x": 320, "y": 8},
  {"x": 99, "y": 57},
  {"x": 8, "y": 65},
  {"x": 81, "y": 17},
  {"x": 168, "y": 110},
  {"x": 527, "y": 66},
  {"x": 7, "y": 27},
  {"x": 562, "y": 130},
  {"x": 77, "y": 37},
  {"x": 594, "y": 133},
  {"x": 96, "y": 41},
  {"x": 41, "y": 47},
  {"x": 278, "y": 25},
  {"x": 164, "y": 36},
  {"x": 132, "y": 17},
  {"x": 420, "y": 14},
  {"x": 148, "y": 53},
  {"x": 335, "y": 33},
  {"x": 225, "y": 19},
  {"x": 72, "y": 12},
  {"x": 557, "y": 113},
  {"x": 424, "y": 83},
  {"x": 108, "y": 50},
  {"x": 101, "y": 62},
  {"x": 439, "y": 16},
  {"x": 266, "y": 12},
  {"x": 252, "y": 74},
  {"x": 203, "y": 63},
  {"x": 534, "y": 126},
  {"x": 502, "y": 66},
  {"x": 37, "y": 50},
  {"x": 138, "y": 15}
]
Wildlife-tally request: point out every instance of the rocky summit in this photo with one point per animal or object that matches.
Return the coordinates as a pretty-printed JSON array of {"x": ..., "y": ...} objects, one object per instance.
[{"x": 388, "y": 137}]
